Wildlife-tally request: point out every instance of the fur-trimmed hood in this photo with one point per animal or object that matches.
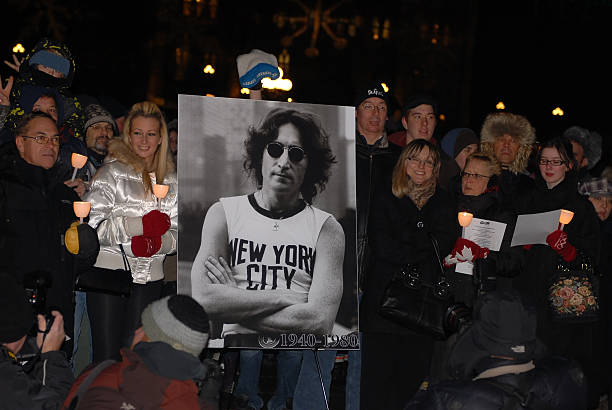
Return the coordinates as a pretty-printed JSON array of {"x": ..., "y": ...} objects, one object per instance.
[
  {"x": 501, "y": 123},
  {"x": 118, "y": 150}
]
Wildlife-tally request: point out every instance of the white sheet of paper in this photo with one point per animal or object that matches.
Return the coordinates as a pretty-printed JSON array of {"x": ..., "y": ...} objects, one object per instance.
[
  {"x": 534, "y": 228},
  {"x": 485, "y": 233}
]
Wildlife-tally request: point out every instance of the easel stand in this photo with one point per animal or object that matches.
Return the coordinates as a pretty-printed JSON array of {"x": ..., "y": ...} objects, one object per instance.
[{"x": 316, "y": 356}]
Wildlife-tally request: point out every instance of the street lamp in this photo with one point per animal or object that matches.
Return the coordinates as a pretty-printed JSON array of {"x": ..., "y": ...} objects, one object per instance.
[{"x": 209, "y": 69}]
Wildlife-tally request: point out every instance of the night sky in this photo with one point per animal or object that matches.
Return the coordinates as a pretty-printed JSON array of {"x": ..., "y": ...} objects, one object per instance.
[{"x": 532, "y": 55}]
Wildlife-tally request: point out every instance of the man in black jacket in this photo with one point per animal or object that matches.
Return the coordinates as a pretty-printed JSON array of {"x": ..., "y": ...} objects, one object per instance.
[
  {"x": 35, "y": 212},
  {"x": 493, "y": 365},
  {"x": 43, "y": 382}
]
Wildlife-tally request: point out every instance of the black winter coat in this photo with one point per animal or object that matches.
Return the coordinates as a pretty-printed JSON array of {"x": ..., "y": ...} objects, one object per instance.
[
  {"x": 44, "y": 386},
  {"x": 399, "y": 235},
  {"x": 486, "y": 206},
  {"x": 36, "y": 209},
  {"x": 374, "y": 170},
  {"x": 555, "y": 383}
]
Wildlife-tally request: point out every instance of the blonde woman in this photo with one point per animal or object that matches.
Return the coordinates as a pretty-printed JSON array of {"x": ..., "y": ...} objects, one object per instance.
[
  {"x": 405, "y": 212},
  {"x": 129, "y": 219}
]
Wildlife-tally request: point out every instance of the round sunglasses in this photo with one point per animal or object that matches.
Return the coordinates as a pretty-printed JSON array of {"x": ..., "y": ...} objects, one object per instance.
[{"x": 275, "y": 150}]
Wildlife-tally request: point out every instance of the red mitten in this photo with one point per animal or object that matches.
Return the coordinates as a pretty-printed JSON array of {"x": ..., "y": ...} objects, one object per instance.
[
  {"x": 155, "y": 223},
  {"x": 558, "y": 241},
  {"x": 465, "y": 251},
  {"x": 145, "y": 246}
]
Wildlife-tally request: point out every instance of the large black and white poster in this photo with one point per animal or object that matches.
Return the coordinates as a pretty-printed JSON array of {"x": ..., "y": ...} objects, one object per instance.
[{"x": 267, "y": 221}]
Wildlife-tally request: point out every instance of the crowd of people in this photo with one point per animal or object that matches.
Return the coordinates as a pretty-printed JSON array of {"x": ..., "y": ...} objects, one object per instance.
[{"x": 410, "y": 186}]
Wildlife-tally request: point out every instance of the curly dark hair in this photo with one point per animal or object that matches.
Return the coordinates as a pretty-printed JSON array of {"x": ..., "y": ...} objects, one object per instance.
[{"x": 314, "y": 141}]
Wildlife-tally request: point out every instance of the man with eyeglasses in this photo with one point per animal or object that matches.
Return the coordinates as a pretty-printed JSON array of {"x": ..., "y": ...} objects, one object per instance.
[
  {"x": 99, "y": 129},
  {"x": 36, "y": 209}
]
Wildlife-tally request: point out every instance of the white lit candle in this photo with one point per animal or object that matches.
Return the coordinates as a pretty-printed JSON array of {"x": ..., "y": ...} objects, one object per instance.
[
  {"x": 81, "y": 209},
  {"x": 565, "y": 218},
  {"x": 78, "y": 162},
  {"x": 465, "y": 218}
]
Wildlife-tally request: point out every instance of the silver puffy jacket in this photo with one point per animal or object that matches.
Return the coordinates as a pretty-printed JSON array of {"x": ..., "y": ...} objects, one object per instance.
[{"x": 116, "y": 194}]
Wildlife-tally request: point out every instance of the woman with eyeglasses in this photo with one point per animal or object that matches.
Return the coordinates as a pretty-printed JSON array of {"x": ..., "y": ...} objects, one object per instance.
[
  {"x": 556, "y": 187},
  {"x": 132, "y": 222},
  {"x": 406, "y": 212},
  {"x": 480, "y": 197}
]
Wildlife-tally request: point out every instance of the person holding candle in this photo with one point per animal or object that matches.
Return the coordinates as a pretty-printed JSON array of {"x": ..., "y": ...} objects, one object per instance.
[
  {"x": 129, "y": 219},
  {"x": 556, "y": 187},
  {"x": 480, "y": 197},
  {"x": 35, "y": 212},
  {"x": 402, "y": 219}
]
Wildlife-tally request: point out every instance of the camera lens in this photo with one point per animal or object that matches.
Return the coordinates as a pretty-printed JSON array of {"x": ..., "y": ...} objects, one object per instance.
[{"x": 456, "y": 316}]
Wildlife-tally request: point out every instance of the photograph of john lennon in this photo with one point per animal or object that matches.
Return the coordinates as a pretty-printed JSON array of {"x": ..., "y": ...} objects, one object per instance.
[{"x": 267, "y": 221}]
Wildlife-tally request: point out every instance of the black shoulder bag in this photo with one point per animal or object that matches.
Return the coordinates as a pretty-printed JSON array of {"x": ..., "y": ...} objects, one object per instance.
[
  {"x": 413, "y": 303},
  {"x": 103, "y": 280}
]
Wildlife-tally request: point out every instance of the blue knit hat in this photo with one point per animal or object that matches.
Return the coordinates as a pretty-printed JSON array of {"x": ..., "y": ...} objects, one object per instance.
[{"x": 254, "y": 66}]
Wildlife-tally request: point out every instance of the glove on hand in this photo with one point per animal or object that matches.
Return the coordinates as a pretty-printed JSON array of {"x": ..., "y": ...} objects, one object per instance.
[
  {"x": 146, "y": 246},
  {"x": 155, "y": 223},
  {"x": 82, "y": 240},
  {"x": 558, "y": 241},
  {"x": 465, "y": 251}
]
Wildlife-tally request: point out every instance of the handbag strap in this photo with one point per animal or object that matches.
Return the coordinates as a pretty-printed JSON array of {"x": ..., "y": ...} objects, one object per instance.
[
  {"x": 434, "y": 241},
  {"x": 126, "y": 263}
]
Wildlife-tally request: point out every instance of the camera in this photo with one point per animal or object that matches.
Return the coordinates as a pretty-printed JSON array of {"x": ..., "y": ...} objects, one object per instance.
[
  {"x": 36, "y": 285},
  {"x": 456, "y": 316}
]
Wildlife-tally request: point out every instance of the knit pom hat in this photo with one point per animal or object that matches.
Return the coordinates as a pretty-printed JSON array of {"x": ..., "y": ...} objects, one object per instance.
[
  {"x": 17, "y": 314},
  {"x": 254, "y": 66},
  {"x": 96, "y": 113},
  {"x": 179, "y": 321}
]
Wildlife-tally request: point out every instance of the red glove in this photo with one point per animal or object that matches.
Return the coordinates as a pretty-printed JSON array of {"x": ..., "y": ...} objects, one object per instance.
[
  {"x": 146, "y": 246},
  {"x": 558, "y": 241},
  {"x": 155, "y": 223},
  {"x": 465, "y": 251}
]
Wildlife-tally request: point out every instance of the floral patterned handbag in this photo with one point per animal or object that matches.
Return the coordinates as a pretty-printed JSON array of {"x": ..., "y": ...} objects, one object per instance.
[{"x": 573, "y": 296}]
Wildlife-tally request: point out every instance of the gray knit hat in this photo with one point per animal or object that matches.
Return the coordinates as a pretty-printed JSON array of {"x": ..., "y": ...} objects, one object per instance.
[
  {"x": 179, "y": 321},
  {"x": 96, "y": 113},
  {"x": 590, "y": 142}
]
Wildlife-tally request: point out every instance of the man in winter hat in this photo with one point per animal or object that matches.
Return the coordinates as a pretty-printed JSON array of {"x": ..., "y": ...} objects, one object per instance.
[
  {"x": 509, "y": 138},
  {"x": 99, "y": 129},
  {"x": 162, "y": 369}
]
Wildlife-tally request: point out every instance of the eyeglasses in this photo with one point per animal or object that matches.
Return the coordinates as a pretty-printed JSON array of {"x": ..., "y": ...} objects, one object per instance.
[
  {"x": 555, "y": 162},
  {"x": 476, "y": 176},
  {"x": 100, "y": 127},
  {"x": 372, "y": 107},
  {"x": 417, "y": 161},
  {"x": 43, "y": 139},
  {"x": 276, "y": 149}
]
